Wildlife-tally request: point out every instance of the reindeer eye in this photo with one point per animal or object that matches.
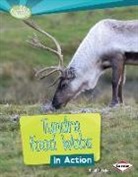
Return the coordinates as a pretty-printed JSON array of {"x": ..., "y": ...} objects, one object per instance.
[{"x": 63, "y": 86}]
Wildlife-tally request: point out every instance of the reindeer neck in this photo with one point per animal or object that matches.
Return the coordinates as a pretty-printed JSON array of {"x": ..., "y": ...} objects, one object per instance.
[{"x": 85, "y": 56}]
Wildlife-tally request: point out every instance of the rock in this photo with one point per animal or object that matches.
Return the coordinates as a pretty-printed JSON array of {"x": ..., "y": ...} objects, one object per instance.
[
  {"x": 15, "y": 118},
  {"x": 48, "y": 108}
]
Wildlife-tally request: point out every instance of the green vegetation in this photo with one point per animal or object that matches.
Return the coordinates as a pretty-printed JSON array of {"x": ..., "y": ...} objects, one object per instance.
[
  {"x": 19, "y": 87},
  {"x": 119, "y": 142}
]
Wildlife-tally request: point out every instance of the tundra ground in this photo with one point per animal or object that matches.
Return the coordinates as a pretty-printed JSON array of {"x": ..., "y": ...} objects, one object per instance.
[{"x": 119, "y": 142}]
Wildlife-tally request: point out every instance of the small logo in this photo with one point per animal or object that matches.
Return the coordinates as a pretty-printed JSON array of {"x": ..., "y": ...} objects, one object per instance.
[
  {"x": 122, "y": 166},
  {"x": 20, "y": 12}
]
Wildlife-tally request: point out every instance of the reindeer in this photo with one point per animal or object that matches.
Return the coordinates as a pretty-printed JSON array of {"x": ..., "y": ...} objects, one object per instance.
[{"x": 109, "y": 44}]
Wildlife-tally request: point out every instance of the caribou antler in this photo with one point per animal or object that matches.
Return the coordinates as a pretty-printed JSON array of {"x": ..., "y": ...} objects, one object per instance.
[{"x": 35, "y": 42}]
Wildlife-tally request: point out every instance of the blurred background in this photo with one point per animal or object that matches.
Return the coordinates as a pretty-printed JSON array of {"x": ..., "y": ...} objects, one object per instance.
[{"x": 18, "y": 59}]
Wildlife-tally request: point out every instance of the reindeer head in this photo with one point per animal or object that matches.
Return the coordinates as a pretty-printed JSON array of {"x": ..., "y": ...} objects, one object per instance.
[
  {"x": 71, "y": 82},
  {"x": 66, "y": 75},
  {"x": 64, "y": 91}
]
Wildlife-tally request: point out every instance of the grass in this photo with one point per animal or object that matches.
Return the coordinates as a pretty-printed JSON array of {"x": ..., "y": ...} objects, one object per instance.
[{"x": 119, "y": 142}]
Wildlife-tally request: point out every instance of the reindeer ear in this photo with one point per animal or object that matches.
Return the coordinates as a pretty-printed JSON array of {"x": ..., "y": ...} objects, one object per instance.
[{"x": 70, "y": 73}]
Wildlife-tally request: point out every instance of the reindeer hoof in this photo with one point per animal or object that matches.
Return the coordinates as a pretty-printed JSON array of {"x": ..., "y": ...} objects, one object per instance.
[{"x": 114, "y": 104}]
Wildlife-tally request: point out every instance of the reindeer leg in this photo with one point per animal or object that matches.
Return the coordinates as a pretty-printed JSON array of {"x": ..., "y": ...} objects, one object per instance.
[
  {"x": 120, "y": 95},
  {"x": 117, "y": 64}
]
